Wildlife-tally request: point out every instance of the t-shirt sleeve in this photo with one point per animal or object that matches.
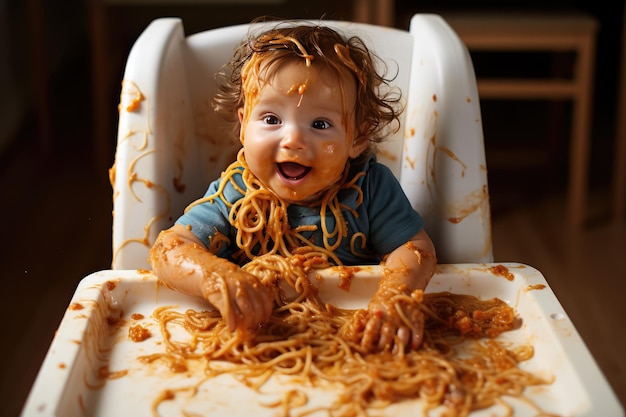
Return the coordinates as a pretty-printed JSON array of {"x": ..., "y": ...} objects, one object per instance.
[
  {"x": 207, "y": 218},
  {"x": 393, "y": 221}
]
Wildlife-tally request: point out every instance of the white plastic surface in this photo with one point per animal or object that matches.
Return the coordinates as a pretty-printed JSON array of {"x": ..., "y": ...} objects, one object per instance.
[
  {"x": 71, "y": 383},
  {"x": 171, "y": 145}
]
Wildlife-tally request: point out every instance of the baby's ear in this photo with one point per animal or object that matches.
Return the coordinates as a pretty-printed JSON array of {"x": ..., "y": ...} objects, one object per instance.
[
  {"x": 240, "y": 115},
  {"x": 359, "y": 145}
]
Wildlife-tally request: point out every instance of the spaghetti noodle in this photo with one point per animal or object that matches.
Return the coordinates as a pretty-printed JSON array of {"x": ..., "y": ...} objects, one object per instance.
[
  {"x": 260, "y": 216},
  {"x": 314, "y": 345}
]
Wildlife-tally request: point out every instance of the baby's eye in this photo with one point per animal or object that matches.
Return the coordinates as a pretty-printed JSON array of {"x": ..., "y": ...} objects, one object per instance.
[
  {"x": 271, "y": 120},
  {"x": 320, "y": 124}
]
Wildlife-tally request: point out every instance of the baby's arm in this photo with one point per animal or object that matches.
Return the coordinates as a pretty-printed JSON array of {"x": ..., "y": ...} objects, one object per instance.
[
  {"x": 387, "y": 321},
  {"x": 183, "y": 263}
]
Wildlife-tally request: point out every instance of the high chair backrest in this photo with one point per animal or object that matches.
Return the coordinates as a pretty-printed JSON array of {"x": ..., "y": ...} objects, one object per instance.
[{"x": 171, "y": 145}]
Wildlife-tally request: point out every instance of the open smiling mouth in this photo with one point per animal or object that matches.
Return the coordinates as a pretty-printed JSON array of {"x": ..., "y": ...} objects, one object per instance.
[{"x": 293, "y": 170}]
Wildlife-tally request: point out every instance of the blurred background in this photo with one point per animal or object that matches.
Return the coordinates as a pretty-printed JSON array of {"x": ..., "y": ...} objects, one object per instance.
[{"x": 58, "y": 118}]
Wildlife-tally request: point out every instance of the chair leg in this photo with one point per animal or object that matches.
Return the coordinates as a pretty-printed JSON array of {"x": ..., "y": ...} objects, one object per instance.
[{"x": 581, "y": 135}]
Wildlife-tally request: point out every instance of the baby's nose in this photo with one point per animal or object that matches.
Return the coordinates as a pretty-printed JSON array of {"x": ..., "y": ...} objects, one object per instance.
[{"x": 293, "y": 138}]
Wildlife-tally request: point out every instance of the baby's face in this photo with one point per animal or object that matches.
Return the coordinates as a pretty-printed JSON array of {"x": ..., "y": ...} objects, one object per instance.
[{"x": 300, "y": 131}]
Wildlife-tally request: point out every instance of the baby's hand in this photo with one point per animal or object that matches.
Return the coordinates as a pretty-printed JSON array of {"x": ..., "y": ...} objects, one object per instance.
[
  {"x": 393, "y": 321},
  {"x": 183, "y": 263},
  {"x": 241, "y": 298}
]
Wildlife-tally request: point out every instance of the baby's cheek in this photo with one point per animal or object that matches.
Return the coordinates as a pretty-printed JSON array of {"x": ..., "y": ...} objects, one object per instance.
[
  {"x": 329, "y": 149},
  {"x": 331, "y": 172},
  {"x": 335, "y": 158}
]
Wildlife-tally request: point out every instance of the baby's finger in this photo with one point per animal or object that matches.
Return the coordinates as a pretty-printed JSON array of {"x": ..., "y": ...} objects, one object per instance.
[
  {"x": 251, "y": 306},
  {"x": 404, "y": 334},
  {"x": 231, "y": 316},
  {"x": 266, "y": 297},
  {"x": 416, "y": 340},
  {"x": 417, "y": 330},
  {"x": 371, "y": 333},
  {"x": 385, "y": 341},
  {"x": 218, "y": 293}
]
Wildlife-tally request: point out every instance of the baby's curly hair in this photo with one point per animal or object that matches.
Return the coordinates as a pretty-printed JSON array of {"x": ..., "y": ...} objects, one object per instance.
[{"x": 376, "y": 108}]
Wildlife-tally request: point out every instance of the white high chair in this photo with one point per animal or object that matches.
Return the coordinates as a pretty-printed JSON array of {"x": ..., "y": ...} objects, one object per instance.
[{"x": 171, "y": 145}]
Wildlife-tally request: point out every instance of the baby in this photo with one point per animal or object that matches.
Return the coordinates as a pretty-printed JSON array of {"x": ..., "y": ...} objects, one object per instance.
[{"x": 308, "y": 108}]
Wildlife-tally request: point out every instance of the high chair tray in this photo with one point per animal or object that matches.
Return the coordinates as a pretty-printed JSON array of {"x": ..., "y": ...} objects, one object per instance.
[{"x": 92, "y": 367}]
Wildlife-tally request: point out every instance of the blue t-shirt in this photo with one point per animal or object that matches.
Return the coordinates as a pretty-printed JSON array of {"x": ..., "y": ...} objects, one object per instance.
[{"x": 385, "y": 217}]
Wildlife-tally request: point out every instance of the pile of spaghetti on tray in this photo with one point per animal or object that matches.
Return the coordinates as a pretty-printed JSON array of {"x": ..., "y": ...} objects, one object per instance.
[{"x": 308, "y": 342}]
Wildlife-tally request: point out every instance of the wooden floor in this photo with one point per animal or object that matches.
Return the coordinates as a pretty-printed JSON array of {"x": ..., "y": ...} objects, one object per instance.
[{"x": 57, "y": 229}]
